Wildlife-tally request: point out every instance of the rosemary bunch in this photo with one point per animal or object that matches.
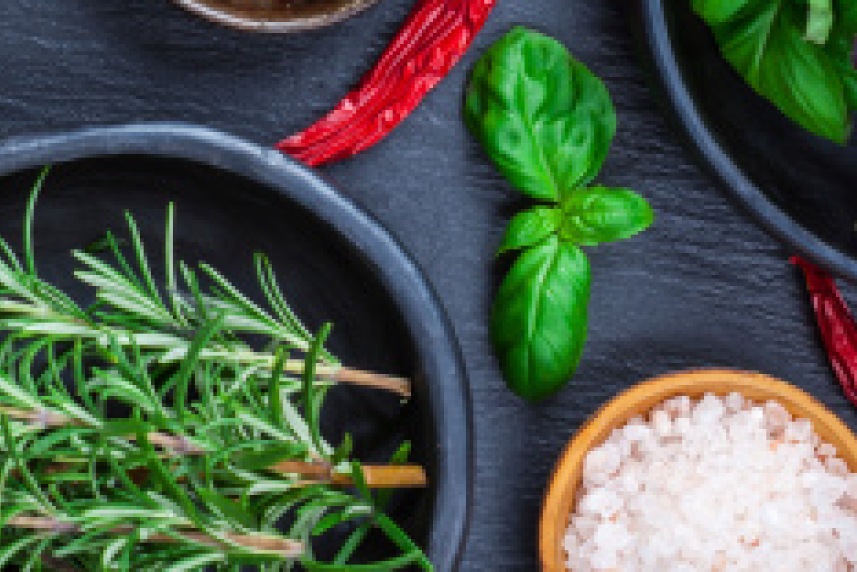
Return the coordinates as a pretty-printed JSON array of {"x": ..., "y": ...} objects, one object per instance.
[{"x": 159, "y": 458}]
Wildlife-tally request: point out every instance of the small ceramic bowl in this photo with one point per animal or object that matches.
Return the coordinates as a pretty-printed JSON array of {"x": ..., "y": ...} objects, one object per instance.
[
  {"x": 560, "y": 499},
  {"x": 275, "y": 16}
]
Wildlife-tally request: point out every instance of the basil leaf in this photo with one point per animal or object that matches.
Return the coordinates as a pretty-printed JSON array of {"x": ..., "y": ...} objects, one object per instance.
[
  {"x": 602, "y": 214},
  {"x": 715, "y": 11},
  {"x": 764, "y": 41},
  {"x": 846, "y": 16},
  {"x": 850, "y": 80},
  {"x": 843, "y": 44},
  {"x": 847, "y": 70},
  {"x": 539, "y": 318},
  {"x": 820, "y": 21},
  {"x": 543, "y": 117},
  {"x": 530, "y": 227}
]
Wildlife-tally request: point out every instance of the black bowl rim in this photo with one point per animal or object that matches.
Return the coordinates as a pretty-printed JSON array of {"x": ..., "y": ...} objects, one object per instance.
[
  {"x": 701, "y": 136},
  {"x": 447, "y": 386}
]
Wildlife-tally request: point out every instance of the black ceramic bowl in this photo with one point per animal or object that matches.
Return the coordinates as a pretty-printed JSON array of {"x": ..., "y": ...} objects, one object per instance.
[
  {"x": 334, "y": 261},
  {"x": 802, "y": 188}
]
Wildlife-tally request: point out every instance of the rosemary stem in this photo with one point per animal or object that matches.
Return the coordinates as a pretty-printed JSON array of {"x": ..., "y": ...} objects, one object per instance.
[
  {"x": 390, "y": 383},
  {"x": 125, "y": 338},
  {"x": 284, "y": 547}
]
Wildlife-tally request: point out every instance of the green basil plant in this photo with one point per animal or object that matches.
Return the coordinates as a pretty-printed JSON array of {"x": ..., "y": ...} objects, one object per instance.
[
  {"x": 547, "y": 123},
  {"x": 795, "y": 53}
]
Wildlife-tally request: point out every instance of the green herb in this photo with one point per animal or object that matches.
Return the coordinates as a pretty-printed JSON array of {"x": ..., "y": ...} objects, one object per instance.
[
  {"x": 820, "y": 21},
  {"x": 547, "y": 122},
  {"x": 795, "y": 53},
  {"x": 130, "y": 306},
  {"x": 184, "y": 381}
]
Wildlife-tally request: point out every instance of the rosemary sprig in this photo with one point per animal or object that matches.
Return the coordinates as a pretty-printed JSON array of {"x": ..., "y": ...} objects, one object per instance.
[
  {"x": 270, "y": 544},
  {"x": 131, "y": 309},
  {"x": 127, "y": 499}
]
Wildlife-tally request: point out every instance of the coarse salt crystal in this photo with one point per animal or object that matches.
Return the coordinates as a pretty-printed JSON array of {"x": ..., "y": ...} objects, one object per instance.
[
  {"x": 637, "y": 432},
  {"x": 734, "y": 402},
  {"x": 777, "y": 417},
  {"x": 601, "y": 463},
  {"x": 662, "y": 423},
  {"x": 826, "y": 450},
  {"x": 681, "y": 426},
  {"x": 799, "y": 431},
  {"x": 836, "y": 466},
  {"x": 603, "y": 503},
  {"x": 584, "y": 526},
  {"x": 680, "y": 406},
  {"x": 851, "y": 486},
  {"x": 604, "y": 560}
]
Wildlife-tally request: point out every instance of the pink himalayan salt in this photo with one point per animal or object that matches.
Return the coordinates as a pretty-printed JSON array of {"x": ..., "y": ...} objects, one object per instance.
[{"x": 721, "y": 484}]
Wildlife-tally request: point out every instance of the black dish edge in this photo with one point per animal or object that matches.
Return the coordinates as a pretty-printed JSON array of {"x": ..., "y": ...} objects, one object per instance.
[{"x": 446, "y": 383}]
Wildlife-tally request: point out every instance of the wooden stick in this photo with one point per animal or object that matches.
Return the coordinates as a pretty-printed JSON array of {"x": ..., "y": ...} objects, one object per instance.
[
  {"x": 375, "y": 476},
  {"x": 387, "y": 477},
  {"x": 318, "y": 470},
  {"x": 283, "y": 547}
]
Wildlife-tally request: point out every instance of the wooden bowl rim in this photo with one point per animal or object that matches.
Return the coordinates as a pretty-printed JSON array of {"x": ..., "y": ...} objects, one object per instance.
[
  {"x": 552, "y": 525},
  {"x": 298, "y": 24}
]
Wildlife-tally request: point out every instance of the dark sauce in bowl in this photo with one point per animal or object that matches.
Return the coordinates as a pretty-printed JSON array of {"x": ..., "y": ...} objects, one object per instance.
[
  {"x": 275, "y": 15},
  {"x": 278, "y": 9}
]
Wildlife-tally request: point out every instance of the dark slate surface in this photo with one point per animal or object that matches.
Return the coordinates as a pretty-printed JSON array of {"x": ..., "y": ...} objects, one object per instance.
[{"x": 704, "y": 287}]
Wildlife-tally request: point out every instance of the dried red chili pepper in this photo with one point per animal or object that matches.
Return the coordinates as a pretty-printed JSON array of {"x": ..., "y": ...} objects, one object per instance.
[
  {"x": 435, "y": 36},
  {"x": 835, "y": 323}
]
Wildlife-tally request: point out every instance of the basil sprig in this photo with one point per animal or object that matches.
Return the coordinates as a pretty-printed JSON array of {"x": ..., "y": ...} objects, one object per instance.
[
  {"x": 795, "y": 53},
  {"x": 547, "y": 123}
]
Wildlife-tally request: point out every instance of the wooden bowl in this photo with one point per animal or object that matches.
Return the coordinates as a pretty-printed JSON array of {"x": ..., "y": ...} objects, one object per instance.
[
  {"x": 560, "y": 499},
  {"x": 275, "y": 16}
]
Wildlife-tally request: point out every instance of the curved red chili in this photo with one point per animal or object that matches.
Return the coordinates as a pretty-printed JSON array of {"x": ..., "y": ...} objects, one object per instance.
[
  {"x": 835, "y": 324},
  {"x": 435, "y": 36}
]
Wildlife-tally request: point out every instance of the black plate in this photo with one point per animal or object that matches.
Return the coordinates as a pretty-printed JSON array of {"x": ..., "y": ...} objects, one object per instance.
[
  {"x": 802, "y": 188},
  {"x": 334, "y": 261}
]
